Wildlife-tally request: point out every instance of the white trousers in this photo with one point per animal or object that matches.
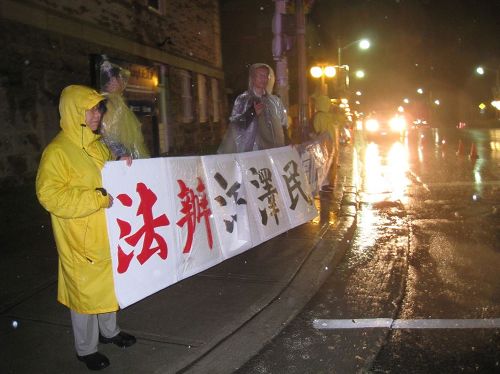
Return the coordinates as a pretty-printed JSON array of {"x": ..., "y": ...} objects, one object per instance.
[{"x": 86, "y": 328}]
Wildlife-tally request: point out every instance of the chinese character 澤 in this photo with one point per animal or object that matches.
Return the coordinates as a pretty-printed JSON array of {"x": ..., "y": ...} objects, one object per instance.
[{"x": 265, "y": 179}]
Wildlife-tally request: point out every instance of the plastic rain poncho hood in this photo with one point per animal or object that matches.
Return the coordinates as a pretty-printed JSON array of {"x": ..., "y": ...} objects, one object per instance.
[{"x": 121, "y": 130}]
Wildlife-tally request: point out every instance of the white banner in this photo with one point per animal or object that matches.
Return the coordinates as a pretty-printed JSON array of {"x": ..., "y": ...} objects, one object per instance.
[
  {"x": 229, "y": 203},
  {"x": 266, "y": 206},
  {"x": 197, "y": 243},
  {"x": 140, "y": 230},
  {"x": 294, "y": 186},
  {"x": 175, "y": 217}
]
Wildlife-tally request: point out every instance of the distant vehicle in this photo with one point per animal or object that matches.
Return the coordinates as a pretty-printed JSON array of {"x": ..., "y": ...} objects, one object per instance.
[
  {"x": 382, "y": 125},
  {"x": 419, "y": 124}
]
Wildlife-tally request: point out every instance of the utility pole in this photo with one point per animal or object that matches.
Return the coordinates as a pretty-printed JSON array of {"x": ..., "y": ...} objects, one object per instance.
[
  {"x": 279, "y": 46},
  {"x": 301, "y": 67}
]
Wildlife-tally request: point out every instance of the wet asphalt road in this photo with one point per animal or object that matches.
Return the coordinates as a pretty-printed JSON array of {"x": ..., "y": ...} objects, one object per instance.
[{"x": 426, "y": 251}]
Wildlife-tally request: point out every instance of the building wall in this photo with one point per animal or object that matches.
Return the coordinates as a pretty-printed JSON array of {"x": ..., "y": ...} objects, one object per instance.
[{"x": 47, "y": 44}]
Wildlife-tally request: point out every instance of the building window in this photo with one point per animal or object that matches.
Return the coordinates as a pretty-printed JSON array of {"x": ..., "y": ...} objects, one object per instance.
[
  {"x": 202, "y": 98},
  {"x": 157, "y": 6},
  {"x": 214, "y": 85}
]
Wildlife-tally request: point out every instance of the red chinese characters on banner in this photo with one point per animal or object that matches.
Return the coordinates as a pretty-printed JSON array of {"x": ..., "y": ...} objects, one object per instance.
[
  {"x": 195, "y": 208},
  {"x": 153, "y": 242}
]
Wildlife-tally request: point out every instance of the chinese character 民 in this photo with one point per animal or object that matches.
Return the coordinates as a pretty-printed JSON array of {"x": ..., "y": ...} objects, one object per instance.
[{"x": 292, "y": 184}]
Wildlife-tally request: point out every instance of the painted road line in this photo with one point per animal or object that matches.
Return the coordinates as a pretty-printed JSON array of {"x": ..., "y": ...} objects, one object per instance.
[{"x": 389, "y": 323}]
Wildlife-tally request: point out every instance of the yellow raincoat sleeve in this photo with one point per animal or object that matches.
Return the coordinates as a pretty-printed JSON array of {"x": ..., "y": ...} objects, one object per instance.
[{"x": 58, "y": 195}]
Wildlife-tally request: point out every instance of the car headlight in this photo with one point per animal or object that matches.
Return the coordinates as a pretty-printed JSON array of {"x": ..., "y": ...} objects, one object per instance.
[
  {"x": 372, "y": 125},
  {"x": 397, "y": 124}
]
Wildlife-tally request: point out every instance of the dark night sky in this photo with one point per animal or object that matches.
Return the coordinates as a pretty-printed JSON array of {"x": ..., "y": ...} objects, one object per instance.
[
  {"x": 435, "y": 44},
  {"x": 431, "y": 43}
]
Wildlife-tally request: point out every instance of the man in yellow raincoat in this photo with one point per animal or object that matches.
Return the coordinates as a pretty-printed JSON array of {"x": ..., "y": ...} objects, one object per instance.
[{"x": 69, "y": 186}]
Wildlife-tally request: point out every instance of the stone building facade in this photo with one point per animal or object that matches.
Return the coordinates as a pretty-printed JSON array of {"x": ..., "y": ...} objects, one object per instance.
[{"x": 48, "y": 45}]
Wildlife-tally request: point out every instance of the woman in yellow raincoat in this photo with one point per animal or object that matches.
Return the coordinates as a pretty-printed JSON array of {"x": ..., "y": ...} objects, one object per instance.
[{"x": 69, "y": 186}]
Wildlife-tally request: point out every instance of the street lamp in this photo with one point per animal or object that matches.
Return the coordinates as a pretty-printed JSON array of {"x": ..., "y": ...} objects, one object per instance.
[
  {"x": 362, "y": 44},
  {"x": 322, "y": 71},
  {"x": 360, "y": 74},
  {"x": 481, "y": 70}
]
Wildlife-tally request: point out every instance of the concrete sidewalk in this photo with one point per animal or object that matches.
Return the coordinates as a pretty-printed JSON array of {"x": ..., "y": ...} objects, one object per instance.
[{"x": 212, "y": 322}]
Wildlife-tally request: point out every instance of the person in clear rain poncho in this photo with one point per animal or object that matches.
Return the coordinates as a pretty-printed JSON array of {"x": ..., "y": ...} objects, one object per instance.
[
  {"x": 121, "y": 130},
  {"x": 259, "y": 119}
]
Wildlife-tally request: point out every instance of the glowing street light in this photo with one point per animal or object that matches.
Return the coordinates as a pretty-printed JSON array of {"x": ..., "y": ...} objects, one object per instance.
[
  {"x": 362, "y": 44},
  {"x": 330, "y": 71},
  {"x": 322, "y": 71},
  {"x": 481, "y": 70},
  {"x": 360, "y": 74},
  {"x": 316, "y": 71},
  {"x": 406, "y": 100},
  {"x": 420, "y": 91}
]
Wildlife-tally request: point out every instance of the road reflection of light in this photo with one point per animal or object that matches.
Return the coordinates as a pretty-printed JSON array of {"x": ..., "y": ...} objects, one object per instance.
[
  {"x": 366, "y": 231},
  {"x": 478, "y": 180},
  {"x": 398, "y": 168},
  {"x": 381, "y": 180},
  {"x": 420, "y": 153},
  {"x": 373, "y": 181}
]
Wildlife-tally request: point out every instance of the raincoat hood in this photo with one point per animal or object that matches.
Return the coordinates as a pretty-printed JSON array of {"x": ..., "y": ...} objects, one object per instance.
[
  {"x": 75, "y": 100},
  {"x": 270, "y": 83},
  {"x": 323, "y": 104}
]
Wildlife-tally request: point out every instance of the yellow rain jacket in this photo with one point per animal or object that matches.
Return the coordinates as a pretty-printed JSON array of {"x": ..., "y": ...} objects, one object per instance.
[
  {"x": 324, "y": 120},
  {"x": 68, "y": 175}
]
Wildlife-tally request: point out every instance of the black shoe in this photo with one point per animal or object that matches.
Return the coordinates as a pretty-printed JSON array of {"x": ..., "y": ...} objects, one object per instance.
[
  {"x": 326, "y": 189},
  {"x": 122, "y": 339},
  {"x": 94, "y": 361}
]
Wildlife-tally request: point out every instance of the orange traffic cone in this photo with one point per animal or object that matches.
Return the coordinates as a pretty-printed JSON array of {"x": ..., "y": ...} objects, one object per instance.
[
  {"x": 473, "y": 152},
  {"x": 460, "y": 151}
]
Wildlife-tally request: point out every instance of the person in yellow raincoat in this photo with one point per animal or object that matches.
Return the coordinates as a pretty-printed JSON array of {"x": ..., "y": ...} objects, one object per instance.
[
  {"x": 325, "y": 121},
  {"x": 121, "y": 130},
  {"x": 69, "y": 187}
]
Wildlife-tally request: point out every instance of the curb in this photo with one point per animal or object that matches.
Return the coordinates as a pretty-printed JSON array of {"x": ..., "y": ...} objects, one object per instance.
[{"x": 227, "y": 355}]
